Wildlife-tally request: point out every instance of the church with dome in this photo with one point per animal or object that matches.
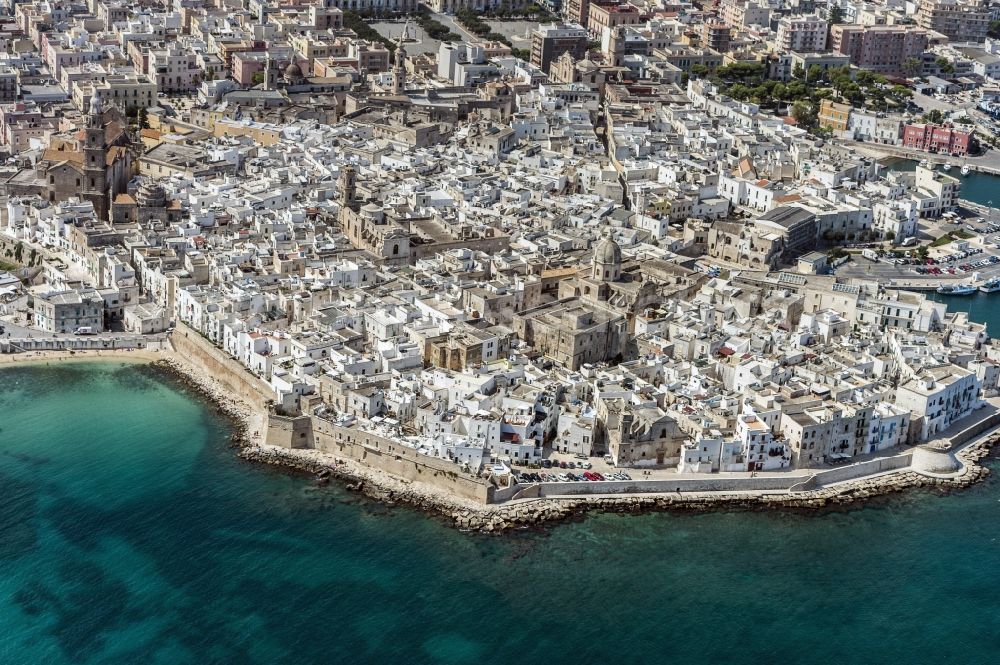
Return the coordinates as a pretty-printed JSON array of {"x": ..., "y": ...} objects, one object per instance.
[
  {"x": 592, "y": 320},
  {"x": 149, "y": 204},
  {"x": 623, "y": 288}
]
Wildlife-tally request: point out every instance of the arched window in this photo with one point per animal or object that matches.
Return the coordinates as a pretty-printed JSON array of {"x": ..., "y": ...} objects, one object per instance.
[{"x": 395, "y": 250}]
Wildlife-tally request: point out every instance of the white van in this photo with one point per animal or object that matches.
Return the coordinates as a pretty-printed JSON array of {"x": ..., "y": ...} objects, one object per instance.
[{"x": 84, "y": 330}]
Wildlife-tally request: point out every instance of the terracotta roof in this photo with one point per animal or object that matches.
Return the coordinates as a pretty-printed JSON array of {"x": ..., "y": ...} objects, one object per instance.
[
  {"x": 113, "y": 155},
  {"x": 560, "y": 272},
  {"x": 124, "y": 199},
  {"x": 56, "y": 155}
]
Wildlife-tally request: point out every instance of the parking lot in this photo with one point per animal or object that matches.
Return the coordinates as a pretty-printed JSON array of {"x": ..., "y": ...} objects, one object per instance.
[
  {"x": 972, "y": 260},
  {"x": 577, "y": 469},
  {"x": 980, "y": 260}
]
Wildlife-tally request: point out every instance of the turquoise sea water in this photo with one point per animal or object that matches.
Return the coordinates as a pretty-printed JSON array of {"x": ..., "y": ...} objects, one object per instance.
[
  {"x": 982, "y": 188},
  {"x": 131, "y": 534}
]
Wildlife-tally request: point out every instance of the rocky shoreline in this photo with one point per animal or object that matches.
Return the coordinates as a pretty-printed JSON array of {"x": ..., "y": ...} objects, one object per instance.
[
  {"x": 239, "y": 414},
  {"x": 247, "y": 425},
  {"x": 467, "y": 515}
]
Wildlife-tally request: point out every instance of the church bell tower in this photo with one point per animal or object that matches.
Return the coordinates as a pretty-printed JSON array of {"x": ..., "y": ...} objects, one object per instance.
[{"x": 95, "y": 150}]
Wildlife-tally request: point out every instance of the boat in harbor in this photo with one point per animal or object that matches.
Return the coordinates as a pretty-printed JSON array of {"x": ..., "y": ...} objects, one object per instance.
[
  {"x": 991, "y": 285},
  {"x": 946, "y": 168},
  {"x": 956, "y": 290},
  {"x": 966, "y": 169}
]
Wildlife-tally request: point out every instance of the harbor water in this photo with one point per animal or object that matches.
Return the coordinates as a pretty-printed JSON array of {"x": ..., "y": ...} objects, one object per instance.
[
  {"x": 982, "y": 188},
  {"x": 132, "y": 534}
]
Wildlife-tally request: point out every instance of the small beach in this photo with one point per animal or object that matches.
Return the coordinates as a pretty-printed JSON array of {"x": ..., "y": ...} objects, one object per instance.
[{"x": 251, "y": 421}]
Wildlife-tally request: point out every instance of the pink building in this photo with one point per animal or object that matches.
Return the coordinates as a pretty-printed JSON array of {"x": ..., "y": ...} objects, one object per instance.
[
  {"x": 879, "y": 48},
  {"x": 943, "y": 139}
]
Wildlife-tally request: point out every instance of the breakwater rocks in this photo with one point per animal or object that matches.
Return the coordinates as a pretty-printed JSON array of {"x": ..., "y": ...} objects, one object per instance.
[{"x": 527, "y": 513}]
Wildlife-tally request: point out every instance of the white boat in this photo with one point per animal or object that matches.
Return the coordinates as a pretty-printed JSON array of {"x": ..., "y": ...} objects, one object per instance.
[
  {"x": 991, "y": 285},
  {"x": 956, "y": 290},
  {"x": 966, "y": 170},
  {"x": 946, "y": 167},
  {"x": 923, "y": 162}
]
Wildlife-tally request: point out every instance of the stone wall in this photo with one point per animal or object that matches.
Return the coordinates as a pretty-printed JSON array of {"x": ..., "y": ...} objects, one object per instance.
[
  {"x": 861, "y": 469},
  {"x": 983, "y": 425},
  {"x": 402, "y": 461},
  {"x": 290, "y": 432},
  {"x": 213, "y": 361}
]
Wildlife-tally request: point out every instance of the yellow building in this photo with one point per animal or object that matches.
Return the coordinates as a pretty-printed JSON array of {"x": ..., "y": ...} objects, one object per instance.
[{"x": 834, "y": 116}]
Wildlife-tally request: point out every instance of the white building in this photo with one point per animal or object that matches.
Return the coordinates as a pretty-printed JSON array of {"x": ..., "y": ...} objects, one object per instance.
[{"x": 938, "y": 398}]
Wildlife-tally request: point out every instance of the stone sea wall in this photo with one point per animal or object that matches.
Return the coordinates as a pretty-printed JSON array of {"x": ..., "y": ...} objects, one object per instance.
[
  {"x": 535, "y": 512},
  {"x": 389, "y": 472},
  {"x": 211, "y": 360},
  {"x": 390, "y": 456}
]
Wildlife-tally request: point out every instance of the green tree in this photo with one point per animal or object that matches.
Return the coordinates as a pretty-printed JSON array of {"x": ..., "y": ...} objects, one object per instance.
[
  {"x": 912, "y": 67},
  {"x": 835, "y": 15},
  {"x": 815, "y": 74},
  {"x": 739, "y": 92},
  {"x": 18, "y": 252},
  {"x": 945, "y": 65},
  {"x": 934, "y": 116},
  {"x": 994, "y": 29},
  {"x": 798, "y": 72},
  {"x": 900, "y": 92},
  {"x": 804, "y": 113},
  {"x": 143, "y": 118},
  {"x": 257, "y": 78}
]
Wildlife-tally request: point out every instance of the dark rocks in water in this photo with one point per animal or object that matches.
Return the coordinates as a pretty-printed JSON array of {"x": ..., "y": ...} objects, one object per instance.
[{"x": 533, "y": 514}]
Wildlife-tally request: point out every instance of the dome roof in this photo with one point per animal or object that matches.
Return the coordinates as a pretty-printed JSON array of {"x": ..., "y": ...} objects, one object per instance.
[
  {"x": 293, "y": 71},
  {"x": 607, "y": 251},
  {"x": 151, "y": 195}
]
